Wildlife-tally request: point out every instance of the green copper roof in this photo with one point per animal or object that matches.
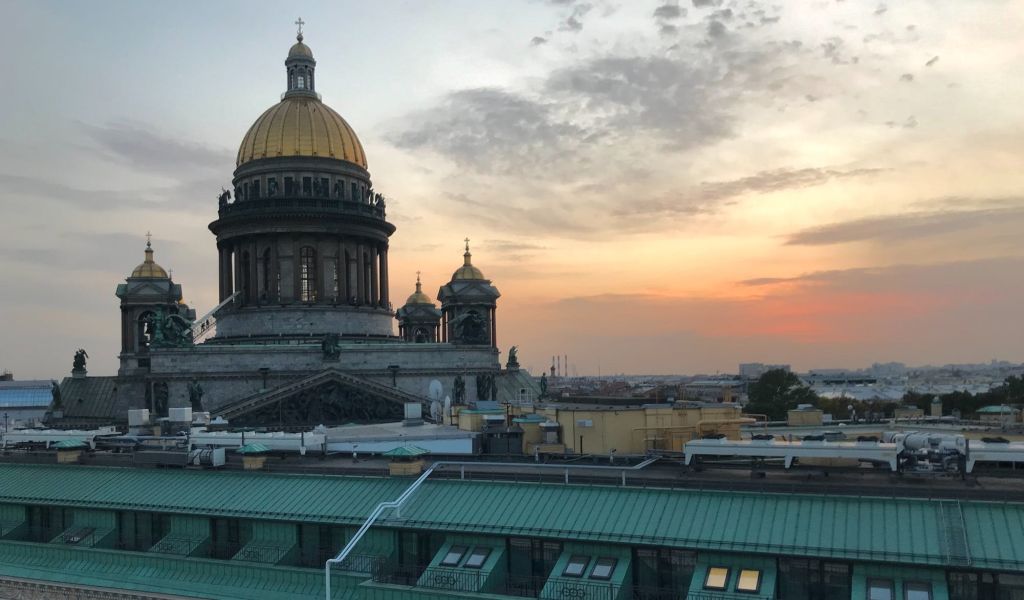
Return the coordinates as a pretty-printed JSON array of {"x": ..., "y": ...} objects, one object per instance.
[
  {"x": 253, "y": 448},
  {"x": 909, "y": 531},
  {"x": 406, "y": 452},
  {"x": 308, "y": 498},
  {"x": 69, "y": 444},
  {"x": 935, "y": 532}
]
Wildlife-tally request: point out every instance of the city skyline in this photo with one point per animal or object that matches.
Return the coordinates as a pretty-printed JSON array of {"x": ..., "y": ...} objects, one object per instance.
[{"x": 654, "y": 187}]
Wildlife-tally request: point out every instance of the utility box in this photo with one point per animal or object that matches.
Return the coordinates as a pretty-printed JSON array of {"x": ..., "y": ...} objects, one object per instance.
[
  {"x": 138, "y": 417},
  {"x": 180, "y": 415}
]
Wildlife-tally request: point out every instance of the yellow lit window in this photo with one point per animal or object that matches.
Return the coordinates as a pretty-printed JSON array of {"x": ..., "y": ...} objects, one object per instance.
[
  {"x": 717, "y": 578},
  {"x": 749, "y": 581}
]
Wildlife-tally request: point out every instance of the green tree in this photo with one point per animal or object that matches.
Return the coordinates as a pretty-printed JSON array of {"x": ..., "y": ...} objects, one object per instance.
[{"x": 776, "y": 392}]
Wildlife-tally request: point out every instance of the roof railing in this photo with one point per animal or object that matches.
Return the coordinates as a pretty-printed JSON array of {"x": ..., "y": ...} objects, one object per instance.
[{"x": 397, "y": 503}]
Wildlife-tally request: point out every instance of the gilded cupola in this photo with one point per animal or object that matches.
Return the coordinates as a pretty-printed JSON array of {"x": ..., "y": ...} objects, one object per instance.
[{"x": 149, "y": 269}]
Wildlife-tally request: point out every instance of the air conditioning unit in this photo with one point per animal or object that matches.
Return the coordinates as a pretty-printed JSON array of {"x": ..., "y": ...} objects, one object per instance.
[{"x": 584, "y": 422}]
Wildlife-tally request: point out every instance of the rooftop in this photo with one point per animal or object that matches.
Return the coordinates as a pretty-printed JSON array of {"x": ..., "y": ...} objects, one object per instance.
[{"x": 984, "y": 535}]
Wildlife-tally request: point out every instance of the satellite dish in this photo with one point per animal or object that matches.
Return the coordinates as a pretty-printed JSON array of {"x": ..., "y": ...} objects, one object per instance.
[{"x": 436, "y": 389}]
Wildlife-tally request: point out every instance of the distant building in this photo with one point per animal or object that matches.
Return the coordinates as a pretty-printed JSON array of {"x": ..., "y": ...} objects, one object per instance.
[
  {"x": 755, "y": 370},
  {"x": 998, "y": 414},
  {"x": 24, "y": 401},
  {"x": 716, "y": 390}
]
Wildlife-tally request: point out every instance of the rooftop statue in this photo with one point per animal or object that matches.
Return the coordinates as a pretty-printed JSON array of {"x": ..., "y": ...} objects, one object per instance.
[
  {"x": 195, "y": 395},
  {"x": 170, "y": 330},
  {"x": 543, "y": 385},
  {"x": 329, "y": 347},
  {"x": 513, "y": 358},
  {"x": 55, "y": 392},
  {"x": 459, "y": 389},
  {"x": 79, "y": 363}
]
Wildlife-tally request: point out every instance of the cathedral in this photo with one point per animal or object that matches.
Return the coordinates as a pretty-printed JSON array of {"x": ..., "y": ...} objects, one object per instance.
[{"x": 304, "y": 333}]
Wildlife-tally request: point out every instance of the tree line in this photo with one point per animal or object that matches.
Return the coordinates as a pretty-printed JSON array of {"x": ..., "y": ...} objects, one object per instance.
[{"x": 778, "y": 391}]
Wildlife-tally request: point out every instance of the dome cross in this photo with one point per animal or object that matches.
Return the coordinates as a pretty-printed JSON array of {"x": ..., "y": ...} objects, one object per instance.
[{"x": 300, "y": 23}]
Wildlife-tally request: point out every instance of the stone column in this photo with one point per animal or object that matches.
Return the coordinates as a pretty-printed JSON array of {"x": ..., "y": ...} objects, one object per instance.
[
  {"x": 494, "y": 328},
  {"x": 239, "y": 280},
  {"x": 273, "y": 293},
  {"x": 361, "y": 272},
  {"x": 384, "y": 295},
  {"x": 254, "y": 274},
  {"x": 374, "y": 275}
]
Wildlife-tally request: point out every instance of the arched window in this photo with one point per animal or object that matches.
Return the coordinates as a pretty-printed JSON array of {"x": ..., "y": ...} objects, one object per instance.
[
  {"x": 302, "y": 82},
  {"x": 307, "y": 274}
]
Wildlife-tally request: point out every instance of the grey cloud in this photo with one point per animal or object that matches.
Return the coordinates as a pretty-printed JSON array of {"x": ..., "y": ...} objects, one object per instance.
[
  {"x": 716, "y": 29},
  {"x": 710, "y": 196},
  {"x": 669, "y": 11},
  {"x": 511, "y": 246},
  {"x": 492, "y": 130},
  {"x": 703, "y": 3},
  {"x": 907, "y": 227},
  {"x": 932, "y": 61},
  {"x": 144, "y": 148},
  {"x": 574, "y": 22},
  {"x": 669, "y": 97},
  {"x": 881, "y": 10},
  {"x": 668, "y": 29},
  {"x": 907, "y": 77},
  {"x": 777, "y": 180},
  {"x": 192, "y": 193},
  {"x": 537, "y": 41}
]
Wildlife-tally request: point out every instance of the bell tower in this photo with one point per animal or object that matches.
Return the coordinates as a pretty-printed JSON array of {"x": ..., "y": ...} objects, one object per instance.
[
  {"x": 468, "y": 305},
  {"x": 147, "y": 291}
]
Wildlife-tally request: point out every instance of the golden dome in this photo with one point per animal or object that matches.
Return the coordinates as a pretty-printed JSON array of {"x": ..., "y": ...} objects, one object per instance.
[
  {"x": 301, "y": 126},
  {"x": 467, "y": 270},
  {"x": 149, "y": 269},
  {"x": 300, "y": 50},
  {"x": 418, "y": 297}
]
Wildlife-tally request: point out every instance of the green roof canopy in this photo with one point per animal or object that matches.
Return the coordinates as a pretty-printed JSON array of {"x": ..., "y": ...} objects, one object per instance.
[
  {"x": 69, "y": 444},
  {"x": 406, "y": 452},
  {"x": 253, "y": 448}
]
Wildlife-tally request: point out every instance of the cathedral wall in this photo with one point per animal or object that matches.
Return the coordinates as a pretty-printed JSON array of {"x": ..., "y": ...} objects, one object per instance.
[
  {"x": 229, "y": 373},
  {"x": 305, "y": 320}
]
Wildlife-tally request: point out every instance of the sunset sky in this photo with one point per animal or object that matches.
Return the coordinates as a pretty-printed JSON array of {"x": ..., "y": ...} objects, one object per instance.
[{"x": 655, "y": 187}]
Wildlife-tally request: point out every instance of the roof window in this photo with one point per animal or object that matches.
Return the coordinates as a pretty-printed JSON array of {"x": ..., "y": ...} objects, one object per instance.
[
  {"x": 749, "y": 581},
  {"x": 917, "y": 590},
  {"x": 603, "y": 568},
  {"x": 717, "y": 578},
  {"x": 477, "y": 557},
  {"x": 576, "y": 566},
  {"x": 880, "y": 589},
  {"x": 454, "y": 556}
]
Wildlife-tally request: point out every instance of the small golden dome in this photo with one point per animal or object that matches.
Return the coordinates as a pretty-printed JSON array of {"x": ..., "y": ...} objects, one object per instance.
[
  {"x": 149, "y": 269},
  {"x": 467, "y": 270},
  {"x": 301, "y": 126},
  {"x": 418, "y": 297},
  {"x": 300, "y": 49}
]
